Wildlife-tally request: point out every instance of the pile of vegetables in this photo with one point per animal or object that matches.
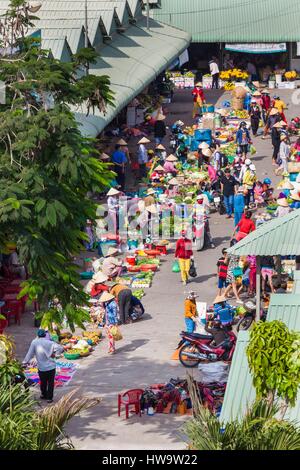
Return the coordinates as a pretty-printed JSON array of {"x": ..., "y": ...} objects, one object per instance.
[{"x": 138, "y": 293}]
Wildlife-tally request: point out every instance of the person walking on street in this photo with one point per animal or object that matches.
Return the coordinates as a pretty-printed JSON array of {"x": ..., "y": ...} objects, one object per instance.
[
  {"x": 222, "y": 265},
  {"x": 276, "y": 141},
  {"x": 215, "y": 73},
  {"x": 255, "y": 115},
  {"x": 119, "y": 160},
  {"x": 238, "y": 205},
  {"x": 199, "y": 99},
  {"x": 111, "y": 318},
  {"x": 228, "y": 187},
  {"x": 143, "y": 156},
  {"x": 249, "y": 181},
  {"x": 284, "y": 154},
  {"x": 190, "y": 312},
  {"x": 123, "y": 296},
  {"x": 243, "y": 140},
  {"x": 160, "y": 129},
  {"x": 184, "y": 254},
  {"x": 266, "y": 105},
  {"x": 44, "y": 350},
  {"x": 272, "y": 119}
]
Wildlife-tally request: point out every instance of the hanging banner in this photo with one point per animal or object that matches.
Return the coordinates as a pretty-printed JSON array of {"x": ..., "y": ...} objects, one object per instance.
[
  {"x": 298, "y": 48},
  {"x": 257, "y": 48}
]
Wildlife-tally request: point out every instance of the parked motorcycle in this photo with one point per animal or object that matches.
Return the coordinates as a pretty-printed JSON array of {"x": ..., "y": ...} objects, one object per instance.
[
  {"x": 250, "y": 315},
  {"x": 219, "y": 202},
  {"x": 196, "y": 348}
]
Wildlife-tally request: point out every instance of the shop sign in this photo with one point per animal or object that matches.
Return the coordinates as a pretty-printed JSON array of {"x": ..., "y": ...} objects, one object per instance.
[{"x": 257, "y": 48}]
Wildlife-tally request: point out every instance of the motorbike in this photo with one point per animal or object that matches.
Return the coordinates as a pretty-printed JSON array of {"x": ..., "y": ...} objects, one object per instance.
[
  {"x": 219, "y": 202},
  {"x": 196, "y": 348},
  {"x": 246, "y": 321}
]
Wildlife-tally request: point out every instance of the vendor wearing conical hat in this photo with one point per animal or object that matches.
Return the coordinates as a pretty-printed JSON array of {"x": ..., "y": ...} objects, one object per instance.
[
  {"x": 149, "y": 200},
  {"x": 158, "y": 174},
  {"x": 160, "y": 129},
  {"x": 160, "y": 153},
  {"x": 119, "y": 159},
  {"x": 272, "y": 118},
  {"x": 99, "y": 279},
  {"x": 112, "y": 266},
  {"x": 143, "y": 156},
  {"x": 283, "y": 208},
  {"x": 169, "y": 165},
  {"x": 111, "y": 318}
]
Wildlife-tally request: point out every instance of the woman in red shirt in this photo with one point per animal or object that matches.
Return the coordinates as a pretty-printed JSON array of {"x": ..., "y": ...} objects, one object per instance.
[
  {"x": 184, "y": 254},
  {"x": 99, "y": 287},
  {"x": 199, "y": 99},
  {"x": 245, "y": 226}
]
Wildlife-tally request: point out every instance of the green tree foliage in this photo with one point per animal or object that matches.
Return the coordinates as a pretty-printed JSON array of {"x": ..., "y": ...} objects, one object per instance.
[
  {"x": 274, "y": 360},
  {"x": 47, "y": 167},
  {"x": 259, "y": 429}
]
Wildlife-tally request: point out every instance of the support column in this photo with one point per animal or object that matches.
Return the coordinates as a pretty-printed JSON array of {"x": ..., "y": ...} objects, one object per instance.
[
  {"x": 278, "y": 267},
  {"x": 258, "y": 288}
]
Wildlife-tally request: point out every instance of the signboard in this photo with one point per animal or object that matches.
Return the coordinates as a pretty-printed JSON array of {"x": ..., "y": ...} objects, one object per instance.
[{"x": 257, "y": 48}]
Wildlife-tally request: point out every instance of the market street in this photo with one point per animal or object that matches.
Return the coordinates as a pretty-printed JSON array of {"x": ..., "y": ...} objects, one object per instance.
[{"x": 144, "y": 356}]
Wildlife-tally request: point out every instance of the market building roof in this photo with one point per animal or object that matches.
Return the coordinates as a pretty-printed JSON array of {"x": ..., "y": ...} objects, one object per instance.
[
  {"x": 296, "y": 286},
  {"x": 279, "y": 236},
  {"x": 240, "y": 392},
  {"x": 233, "y": 20},
  {"x": 130, "y": 55}
]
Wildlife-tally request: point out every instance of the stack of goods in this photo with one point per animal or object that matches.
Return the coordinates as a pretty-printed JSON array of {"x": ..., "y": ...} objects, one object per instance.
[
  {"x": 174, "y": 397},
  {"x": 79, "y": 346},
  {"x": 64, "y": 373},
  {"x": 142, "y": 280},
  {"x": 238, "y": 98}
]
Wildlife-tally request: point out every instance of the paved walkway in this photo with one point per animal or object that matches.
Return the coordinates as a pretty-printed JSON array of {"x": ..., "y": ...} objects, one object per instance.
[{"x": 144, "y": 356}]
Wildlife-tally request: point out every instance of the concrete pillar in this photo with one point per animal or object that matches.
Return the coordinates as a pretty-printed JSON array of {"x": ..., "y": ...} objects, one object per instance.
[{"x": 258, "y": 289}]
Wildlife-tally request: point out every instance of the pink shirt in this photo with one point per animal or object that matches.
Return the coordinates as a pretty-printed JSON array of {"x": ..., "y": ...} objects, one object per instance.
[{"x": 169, "y": 167}]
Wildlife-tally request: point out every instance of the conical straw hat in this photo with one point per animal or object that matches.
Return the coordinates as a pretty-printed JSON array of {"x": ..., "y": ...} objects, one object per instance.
[
  {"x": 273, "y": 111},
  {"x": 113, "y": 192},
  {"x": 152, "y": 209},
  {"x": 219, "y": 299},
  {"x": 150, "y": 191},
  {"x": 295, "y": 197},
  {"x": 122, "y": 142},
  {"x": 172, "y": 158},
  {"x": 174, "y": 182},
  {"x": 144, "y": 140},
  {"x": 159, "y": 168},
  {"x": 112, "y": 251},
  {"x": 104, "y": 156},
  {"x": 287, "y": 185},
  {"x": 203, "y": 146},
  {"x": 207, "y": 153},
  {"x": 256, "y": 93},
  {"x": 277, "y": 125},
  {"x": 282, "y": 202},
  {"x": 99, "y": 277},
  {"x": 161, "y": 117},
  {"x": 106, "y": 296},
  {"x": 160, "y": 147}
]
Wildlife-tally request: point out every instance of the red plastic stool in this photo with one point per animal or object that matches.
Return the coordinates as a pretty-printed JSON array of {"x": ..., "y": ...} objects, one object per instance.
[
  {"x": 131, "y": 397},
  {"x": 162, "y": 249}
]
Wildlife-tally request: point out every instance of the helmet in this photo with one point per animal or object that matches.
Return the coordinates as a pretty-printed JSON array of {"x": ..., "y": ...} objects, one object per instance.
[
  {"x": 248, "y": 162},
  {"x": 267, "y": 181}
]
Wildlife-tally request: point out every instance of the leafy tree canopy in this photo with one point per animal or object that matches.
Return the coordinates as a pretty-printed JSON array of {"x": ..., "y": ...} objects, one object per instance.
[{"x": 46, "y": 166}]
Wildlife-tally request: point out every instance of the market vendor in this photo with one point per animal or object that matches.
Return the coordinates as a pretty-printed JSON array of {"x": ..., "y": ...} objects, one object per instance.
[
  {"x": 149, "y": 200},
  {"x": 257, "y": 98},
  {"x": 158, "y": 174},
  {"x": 119, "y": 159},
  {"x": 123, "y": 295},
  {"x": 111, "y": 318},
  {"x": 143, "y": 156},
  {"x": 273, "y": 118},
  {"x": 169, "y": 165},
  {"x": 99, "y": 284},
  {"x": 286, "y": 187},
  {"x": 190, "y": 312},
  {"x": 255, "y": 116},
  {"x": 172, "y": 189},
  {"x": 283, "y": 208},
  {"x": 160, "y": 129},
  {"x": 199, "y": 99},
  {"x": 112, "y": 266},
  {"x": 160, "y": 153}
]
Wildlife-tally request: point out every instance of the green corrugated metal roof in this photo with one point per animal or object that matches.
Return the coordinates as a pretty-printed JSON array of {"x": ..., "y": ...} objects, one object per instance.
[
  {"x": 280, "y": 236},
  {"x": 240, "y": 392},
  {"x": 296, "y": 286},
  {"x": 132, "y": 61},
  {"x": 233, "y": 20}
]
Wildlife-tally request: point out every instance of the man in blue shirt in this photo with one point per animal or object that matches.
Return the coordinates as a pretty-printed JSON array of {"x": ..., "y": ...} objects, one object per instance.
[{"x": 119, "y": 160}]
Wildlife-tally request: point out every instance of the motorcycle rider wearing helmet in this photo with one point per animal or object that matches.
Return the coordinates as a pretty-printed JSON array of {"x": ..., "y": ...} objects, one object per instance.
[{"x": 218, "y": 333}]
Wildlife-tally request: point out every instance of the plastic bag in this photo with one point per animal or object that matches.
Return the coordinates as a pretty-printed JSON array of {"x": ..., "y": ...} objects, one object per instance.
[
  {"x": 116, "y": 333},
  {"x": 176, "y": 267},
  {"x": 192, "y": 271},
  {"x": 214, "y": 372}
]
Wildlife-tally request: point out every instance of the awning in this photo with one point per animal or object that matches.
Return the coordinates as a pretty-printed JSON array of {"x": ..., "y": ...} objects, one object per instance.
[
  {"x": 279, "y": 237},
  {"x": 132, "y": 61},
  {"x": 257, "y": 48},
  {"x": 233, "y": 21}
]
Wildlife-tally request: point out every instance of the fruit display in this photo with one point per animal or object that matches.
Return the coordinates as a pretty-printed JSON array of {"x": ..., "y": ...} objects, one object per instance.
[
  {"x": 229, "y": 86},
  {"x": 292, "y": 75},
  {"x": 234, "y": 74},
  {"x": 138, "y": 293}
]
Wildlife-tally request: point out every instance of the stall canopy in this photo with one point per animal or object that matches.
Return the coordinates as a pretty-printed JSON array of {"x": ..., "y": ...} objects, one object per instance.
[
  {"x": 130, "y": 54},
  {"x": 233, "y": 21},
  {"x": 279, "y": 237},
  {"x": 240, "y": 393}
]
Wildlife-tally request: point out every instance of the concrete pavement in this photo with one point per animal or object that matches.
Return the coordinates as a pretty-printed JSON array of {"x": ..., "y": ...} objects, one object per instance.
[{"x": 144, "y": 355}]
